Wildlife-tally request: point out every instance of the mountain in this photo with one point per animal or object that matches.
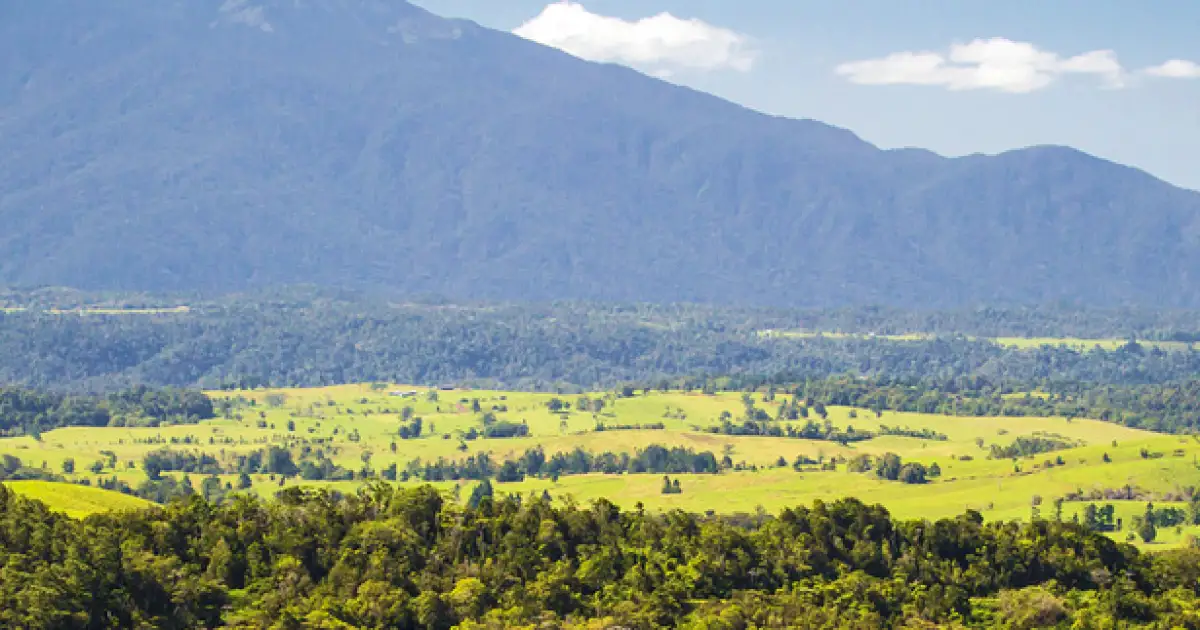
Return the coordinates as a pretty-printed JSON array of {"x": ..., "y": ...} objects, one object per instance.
[{"x": 220, "y": 145}]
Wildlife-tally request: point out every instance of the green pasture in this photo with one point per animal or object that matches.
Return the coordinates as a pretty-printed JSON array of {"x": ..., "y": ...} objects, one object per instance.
[
  {"x": 75, "y": 500},
  {"x": 359, "y": 423}
]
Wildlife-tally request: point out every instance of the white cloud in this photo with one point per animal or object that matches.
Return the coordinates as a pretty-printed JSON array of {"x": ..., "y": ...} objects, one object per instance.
[
  {"x": 984, "y": 64},
  {"x": 660, "y": 44},
  {"x": 1176, "y": 69},
  {"x": 242, "y": 12}
]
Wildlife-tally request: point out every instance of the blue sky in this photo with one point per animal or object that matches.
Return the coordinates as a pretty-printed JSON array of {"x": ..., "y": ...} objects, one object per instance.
[{"x": 1118, "y": 79}]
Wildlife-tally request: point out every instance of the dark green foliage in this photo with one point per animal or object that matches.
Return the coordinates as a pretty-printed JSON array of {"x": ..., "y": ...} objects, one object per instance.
[
  {"x": 411, "y": 558},
  {"x": 1025, "y": 446},
  {"x": 306, "y": 337},
  {"x": 187, "y": 461},
  {"x": 912, "y": 473},
  {"x": 534, "y": 462},
  {"x": 410, "y": 430},
  {"x": 482, "y": 492},
  {"x": 26, "y": 411},
  {"x": 1146, "y": 528},
  {"x": 11, "y": 467},
  {"x": 924, "y": 434},
  {"x": 505, "y": 430}
]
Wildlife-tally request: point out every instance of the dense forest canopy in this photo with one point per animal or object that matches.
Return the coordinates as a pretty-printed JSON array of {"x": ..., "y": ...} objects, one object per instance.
[
  {"x": 29, "y": 412},
  {"x": 410, "y": 559},
  {"x": 303, "y": 337}
]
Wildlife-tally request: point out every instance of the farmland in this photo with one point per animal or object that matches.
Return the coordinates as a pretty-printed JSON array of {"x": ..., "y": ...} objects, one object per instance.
[{"x": 356, "y": 426}]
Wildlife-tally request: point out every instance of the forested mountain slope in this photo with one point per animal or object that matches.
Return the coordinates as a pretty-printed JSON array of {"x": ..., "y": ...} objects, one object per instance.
[{"x": 222, "y": 145}]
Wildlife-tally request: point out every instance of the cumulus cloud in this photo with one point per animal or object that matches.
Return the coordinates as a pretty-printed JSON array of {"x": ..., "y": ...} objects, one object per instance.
[
  {"x": 1176, "y": 69},
  {"x": 984, "y": 64},
  {"x": 660, "y": 44}
]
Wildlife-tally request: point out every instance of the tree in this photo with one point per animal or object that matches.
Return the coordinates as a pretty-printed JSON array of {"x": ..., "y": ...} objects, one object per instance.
[
  {"x": 483, "y": 491},
  {"x": 509, "y": 473},
  {"x": 212, "y": 489},
  {"x": 1146, "y": 529},
  {"x": 889, "y": 467},
  {"x": 912, "y": 473},
  {"x": 68, "y": 465}
]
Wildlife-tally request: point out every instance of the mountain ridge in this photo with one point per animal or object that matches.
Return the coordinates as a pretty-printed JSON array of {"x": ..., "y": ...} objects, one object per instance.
[{"x": 222, "y": 146}]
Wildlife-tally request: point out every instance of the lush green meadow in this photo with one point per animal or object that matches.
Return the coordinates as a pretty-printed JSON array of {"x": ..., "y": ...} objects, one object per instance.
[
  {"x": 355, "y": 426},
  {"x": 75, "y": 500}
]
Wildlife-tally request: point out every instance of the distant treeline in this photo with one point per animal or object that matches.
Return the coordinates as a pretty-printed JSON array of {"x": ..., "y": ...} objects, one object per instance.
[
  {"x": 30, "y": 412},
  {"x": 1168, "y": 407},
  {"x": 308, "y": 338},
  {"x": 413, "y": 559}
]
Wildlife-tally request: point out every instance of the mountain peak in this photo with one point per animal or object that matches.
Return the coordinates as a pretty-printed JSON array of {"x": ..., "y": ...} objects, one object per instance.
[
  {"x": 397, "y": 18},
  {"x": 225, "y": 144}
]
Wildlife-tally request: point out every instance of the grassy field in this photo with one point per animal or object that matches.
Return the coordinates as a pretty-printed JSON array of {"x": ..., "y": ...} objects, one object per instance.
[
  {"x": 1018, "y": 343},
  {"x": 74, "y": 500},
  {"x": 358, "y": 423}
]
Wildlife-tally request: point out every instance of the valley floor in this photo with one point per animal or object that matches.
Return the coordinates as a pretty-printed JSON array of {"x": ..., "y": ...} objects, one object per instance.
[{"x": 356, "y": 426}]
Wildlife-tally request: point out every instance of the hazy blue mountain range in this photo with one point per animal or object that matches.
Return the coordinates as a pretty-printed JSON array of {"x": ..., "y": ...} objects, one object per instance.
[{"x": 221, "y": 145}]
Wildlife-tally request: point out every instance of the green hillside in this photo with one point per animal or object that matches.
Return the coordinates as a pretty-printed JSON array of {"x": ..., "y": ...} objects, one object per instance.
[{"x": 75, "y": 500}]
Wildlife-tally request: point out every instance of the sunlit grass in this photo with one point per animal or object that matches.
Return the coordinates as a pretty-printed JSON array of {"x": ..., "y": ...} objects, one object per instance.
[
  {"x": 970, "y": 480},
  {"x": 75, "y": 500}
]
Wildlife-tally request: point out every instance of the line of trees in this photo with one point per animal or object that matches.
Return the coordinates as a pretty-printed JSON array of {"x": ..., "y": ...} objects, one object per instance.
[
  {"x": 414, "y": 559},
  {"x": 534, "y": 462},
  {"x": 25, "y": 411}
]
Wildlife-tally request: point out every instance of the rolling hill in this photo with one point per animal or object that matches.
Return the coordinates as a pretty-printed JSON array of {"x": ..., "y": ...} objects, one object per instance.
[
  {"x": 222, "y": 145},
  {"x": 77, "y": 501}
]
